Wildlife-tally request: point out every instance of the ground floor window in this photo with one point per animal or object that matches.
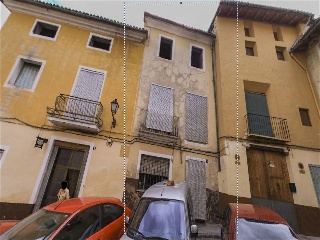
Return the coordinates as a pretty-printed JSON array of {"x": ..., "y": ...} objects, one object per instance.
[{"x": 152, "y": 170}]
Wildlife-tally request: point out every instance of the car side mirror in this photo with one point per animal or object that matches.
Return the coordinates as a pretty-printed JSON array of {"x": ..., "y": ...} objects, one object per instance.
[
  {"x": 194, "y": 230},
  {"x": 127, "y": 221}
]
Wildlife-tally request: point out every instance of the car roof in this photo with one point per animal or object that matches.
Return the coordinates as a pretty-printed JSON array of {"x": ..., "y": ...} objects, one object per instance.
[
  {"x": 74, "y": 204},
  {"x": 178, "y": 191},
  {"x": 256, "y": 212}
]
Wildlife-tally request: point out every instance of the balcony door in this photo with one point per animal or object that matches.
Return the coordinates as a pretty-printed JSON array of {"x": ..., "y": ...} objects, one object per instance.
[
  {"x": 86, "y": 91},
  {"x": 258, "y": 114}
]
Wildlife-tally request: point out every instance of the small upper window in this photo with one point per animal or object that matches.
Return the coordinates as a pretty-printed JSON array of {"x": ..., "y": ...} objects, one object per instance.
[
  {"x": 247, "y": 32},
  {"x": 277, "y": 35},
  {"x": 280, "y": 53},
  {"x": 25, "y": 73},
  {"x": 197, "y": 57},
  {"x": 166, "y": 46},
  {"x": 248, "y": 29},
  {"x": 45, "y": 29},
  {"x": 251, "y": 49},
  {"x": 100, "y": 42},
  {"x": 305, "y": 118}
]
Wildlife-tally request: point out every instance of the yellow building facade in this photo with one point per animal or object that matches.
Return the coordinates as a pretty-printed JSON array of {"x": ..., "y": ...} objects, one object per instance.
[
  {"x": 267, "y": 114},
  {"x": 174, "y": 124},
  {"x": 60, "y": 71}
]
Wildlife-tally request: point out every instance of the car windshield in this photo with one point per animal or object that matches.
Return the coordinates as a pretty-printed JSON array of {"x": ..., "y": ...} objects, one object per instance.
[
  {"x": 37, "y": 226},
  {"x": 255, "y": 229},
  {"x": 159, "y": 219}
]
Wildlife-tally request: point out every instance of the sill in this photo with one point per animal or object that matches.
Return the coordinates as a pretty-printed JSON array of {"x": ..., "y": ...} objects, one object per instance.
[
  {"x": 164, "y": 59},
  {"x": 197, "y": 69},
  {"x": 44, "y": 37},
  {"x": 99, "y": 49}
]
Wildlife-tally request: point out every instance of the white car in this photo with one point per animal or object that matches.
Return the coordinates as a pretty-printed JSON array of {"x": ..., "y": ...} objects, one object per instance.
[{"x": 164, "y": 212}]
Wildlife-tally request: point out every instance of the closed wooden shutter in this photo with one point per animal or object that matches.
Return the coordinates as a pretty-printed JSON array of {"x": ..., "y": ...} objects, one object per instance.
[
  {"x": 27, "y": 75},
  {"x": 196, "y": 180},
  {"x": 160, "y": 108},
  {"x": 196, "y": 118}
]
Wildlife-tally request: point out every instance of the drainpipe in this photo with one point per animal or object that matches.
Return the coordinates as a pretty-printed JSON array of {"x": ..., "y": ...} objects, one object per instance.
[
  {"x": 215, "y": 105},
  {"x": 309, "y": 81}
]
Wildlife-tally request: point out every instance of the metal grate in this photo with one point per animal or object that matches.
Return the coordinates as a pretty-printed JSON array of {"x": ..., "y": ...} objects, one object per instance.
[{"x": 152, "y": 170}]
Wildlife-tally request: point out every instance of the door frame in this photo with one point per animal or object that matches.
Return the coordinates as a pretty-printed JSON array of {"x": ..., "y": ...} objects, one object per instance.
[{"x": 45, "y": 165}]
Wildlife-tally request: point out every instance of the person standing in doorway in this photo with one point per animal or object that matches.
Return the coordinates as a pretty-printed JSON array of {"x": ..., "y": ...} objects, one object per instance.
[{"x": 63, "y": 193}]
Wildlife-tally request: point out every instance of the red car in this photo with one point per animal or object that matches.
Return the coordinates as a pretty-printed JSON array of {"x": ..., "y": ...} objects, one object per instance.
[
  {"x": 254, "y": 222},
  {"x": 73, "y": 219}
]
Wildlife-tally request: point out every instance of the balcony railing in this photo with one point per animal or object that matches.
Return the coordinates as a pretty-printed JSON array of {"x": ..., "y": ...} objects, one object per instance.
[
  {"x": 266, "y": 126},
  {"x": 76, "y": 112},
  {"x": 159, "y": 125}
]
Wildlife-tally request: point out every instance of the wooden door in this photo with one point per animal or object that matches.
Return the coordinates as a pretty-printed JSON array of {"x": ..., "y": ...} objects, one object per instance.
[{"x": 268, "y": 175}]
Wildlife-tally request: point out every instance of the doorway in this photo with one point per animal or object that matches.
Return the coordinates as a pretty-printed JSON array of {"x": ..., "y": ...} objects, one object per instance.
[
  {"x": 66, "y": 163},
  {"x": 269, "y": 183}
]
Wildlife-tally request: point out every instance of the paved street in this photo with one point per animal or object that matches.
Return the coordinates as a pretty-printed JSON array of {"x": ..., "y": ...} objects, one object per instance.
[{"x": 212, "y": 231}]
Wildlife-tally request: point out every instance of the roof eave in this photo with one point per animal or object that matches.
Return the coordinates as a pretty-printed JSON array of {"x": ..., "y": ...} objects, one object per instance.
[{"x": 72, "y": 17}]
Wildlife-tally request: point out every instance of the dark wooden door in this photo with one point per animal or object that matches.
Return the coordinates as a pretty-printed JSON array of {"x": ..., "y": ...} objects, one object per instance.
[
  {"x": 268, "y": 174},
  {"x": 66, "y": 167}
]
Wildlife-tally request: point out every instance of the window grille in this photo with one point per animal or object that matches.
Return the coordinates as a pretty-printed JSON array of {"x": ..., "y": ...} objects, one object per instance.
[{"x": 152, "y": 170}]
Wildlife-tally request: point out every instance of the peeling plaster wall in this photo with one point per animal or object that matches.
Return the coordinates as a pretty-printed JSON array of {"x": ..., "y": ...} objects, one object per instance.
[{"x": 179, "y": 75}]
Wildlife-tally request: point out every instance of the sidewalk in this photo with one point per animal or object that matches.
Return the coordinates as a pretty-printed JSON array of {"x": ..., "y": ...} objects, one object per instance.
[{"x": 213, "y": 231}]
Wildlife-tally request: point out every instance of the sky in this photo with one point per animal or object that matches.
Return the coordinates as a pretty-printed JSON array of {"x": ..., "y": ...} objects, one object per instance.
[{"x": 197, "y": 14}]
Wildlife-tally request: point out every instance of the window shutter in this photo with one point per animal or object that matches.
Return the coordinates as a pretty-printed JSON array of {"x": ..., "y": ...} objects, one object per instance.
[
  {"x": 196, "y": 118},
  {"x": 196, "y": 180},
  {"x": 89, "y": 85},
  {"x": 27, "y": 75},
  {"x": 160, "y": 108}
]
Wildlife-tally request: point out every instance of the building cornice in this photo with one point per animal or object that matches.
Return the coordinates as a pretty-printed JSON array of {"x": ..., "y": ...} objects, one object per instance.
[
  {"x": 75, "y": 18},
  {"x": 181, "y": 30}
]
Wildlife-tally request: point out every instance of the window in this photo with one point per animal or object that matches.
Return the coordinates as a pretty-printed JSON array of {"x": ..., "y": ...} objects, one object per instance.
[
  {"x": 248, "y": 29},
  {"x": 197, "y": 57},
  {"x": 153, "y": 169},
  {"x": 250, "y": 48},
  {"x": 247, "y": 32},
  {"x": 249, "y": 51},
  {"x": 99, "y": 42},
  {"x": 196, "y": 118},
  {"x": 305, "y": 118},
  {"x": 277, "y": 33},
  {"x": 25, "y": 73},
  {"x": 45, "y": 30},
  {"x": 110, "y": 212},
  {"x": 165, "y": 48},
  {"x": 315, "y": 175},
  {"x": 160, "y": 109},
  {"x": 280, "y": 53},
  {"x": 83, "y": 225}
]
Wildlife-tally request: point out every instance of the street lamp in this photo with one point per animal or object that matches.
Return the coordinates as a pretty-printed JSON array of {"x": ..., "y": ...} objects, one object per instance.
[
  {"x": 40, "y": 142},
  {"x": 114, "y": 108}
]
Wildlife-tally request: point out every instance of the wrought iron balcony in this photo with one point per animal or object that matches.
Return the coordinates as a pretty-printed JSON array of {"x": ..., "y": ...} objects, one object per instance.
[
  {"x": 266, "y": 126},
  {"x": 76, "y": 113},
  {"x": 159, "y": 127}
]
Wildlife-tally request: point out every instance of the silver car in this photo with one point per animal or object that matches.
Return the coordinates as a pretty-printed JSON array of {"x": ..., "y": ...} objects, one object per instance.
[{"x": 164, "y": 212}]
